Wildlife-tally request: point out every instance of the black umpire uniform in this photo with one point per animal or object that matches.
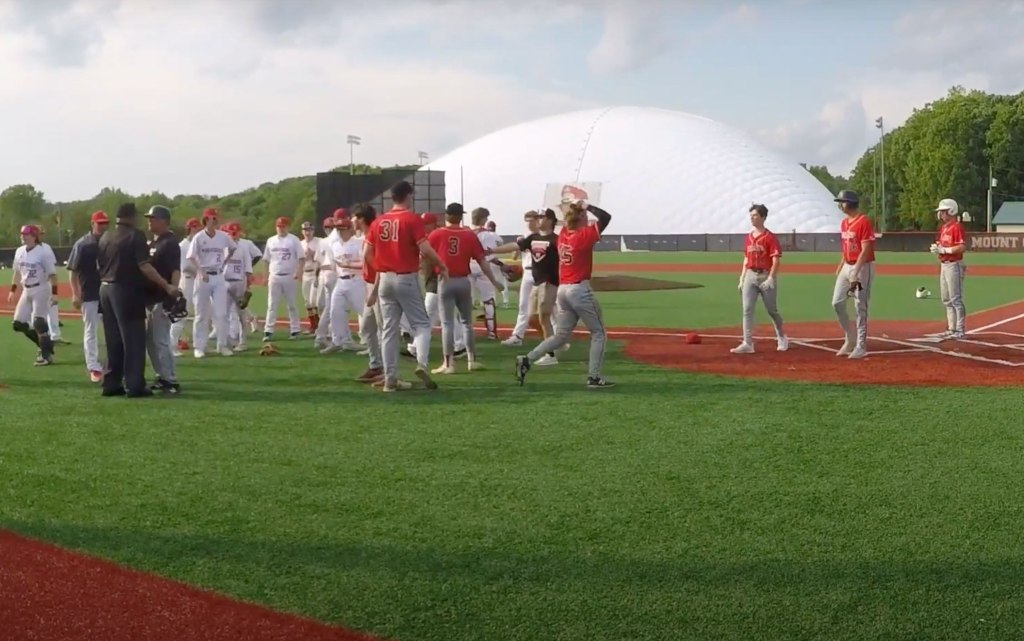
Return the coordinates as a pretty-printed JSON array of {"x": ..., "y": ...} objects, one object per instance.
[{"x": 125, "y": 273}]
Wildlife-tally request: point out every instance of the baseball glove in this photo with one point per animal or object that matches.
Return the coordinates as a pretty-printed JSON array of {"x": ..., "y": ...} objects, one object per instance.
[
  {"x": 176, "y": 308},
  {"x": 269, "y": 350},
  {"x": 854, "y": 288},
  {"x": 243, "y": 302}
]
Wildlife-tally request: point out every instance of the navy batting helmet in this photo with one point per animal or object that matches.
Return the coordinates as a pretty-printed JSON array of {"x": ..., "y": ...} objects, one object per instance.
[{"x": 847, "y": 196}]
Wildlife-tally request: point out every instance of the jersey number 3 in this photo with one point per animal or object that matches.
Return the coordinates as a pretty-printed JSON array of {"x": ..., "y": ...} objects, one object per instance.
[
  {"x": 453, "y": 246},
  {"x": 565, "y": 254},
  {"x": 389, "y": 231}
]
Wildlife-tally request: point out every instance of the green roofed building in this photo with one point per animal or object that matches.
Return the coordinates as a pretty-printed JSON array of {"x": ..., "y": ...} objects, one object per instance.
[{"x": 1009, "y": 218}]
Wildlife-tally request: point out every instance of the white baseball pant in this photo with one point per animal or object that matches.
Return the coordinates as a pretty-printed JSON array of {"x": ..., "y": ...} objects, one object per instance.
[
  {"x": 349, "y": 296},
  {"x": 211, "y": 301},
  {"x": 328, "y": 283},
  {"x": 523, "y": 319},
  {"x": 90, "y": 341},
  {"x": 238, "y": 318},
  {"x": 281, "y": 289}
]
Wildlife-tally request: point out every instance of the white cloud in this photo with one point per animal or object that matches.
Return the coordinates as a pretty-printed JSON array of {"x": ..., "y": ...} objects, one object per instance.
[{"x": 634, "y": 34}]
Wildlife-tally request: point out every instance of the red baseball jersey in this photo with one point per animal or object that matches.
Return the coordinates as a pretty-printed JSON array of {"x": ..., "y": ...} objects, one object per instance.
[
  {"x": 369, "y": 273},
  {"x": 576, "y": 254},
  {"x": 457, "y": 247},
  {"x": 854, "y": 233},
  {"x": 950, "y": 235},
  {"x": 760, "y": 250},
  {"x": 395, "y": 238}
]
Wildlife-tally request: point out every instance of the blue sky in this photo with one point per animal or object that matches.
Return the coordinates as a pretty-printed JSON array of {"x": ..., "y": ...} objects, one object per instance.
[{"x": 219, "y": 95}]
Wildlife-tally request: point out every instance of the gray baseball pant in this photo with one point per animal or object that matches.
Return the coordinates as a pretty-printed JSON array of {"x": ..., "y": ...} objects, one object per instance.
[
  {"x": 456, "y": 293},
  {"x": 951, "y": 290},
  {"x": 401, "y": 294},
  {"x": 751, "y": 290},
  {"x": 370, "y": 322},
  {"x": 577, "y": 302},
  {"x": 158, "y": 343},
  {"x": 858, "y": 333}
]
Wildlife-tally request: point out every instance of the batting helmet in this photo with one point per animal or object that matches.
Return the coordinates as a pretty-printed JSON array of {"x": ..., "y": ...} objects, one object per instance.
[{"x": 949, "y": 205}]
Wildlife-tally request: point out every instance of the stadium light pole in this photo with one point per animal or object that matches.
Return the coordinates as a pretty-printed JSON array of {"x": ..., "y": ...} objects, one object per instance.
[
  {"x": 880, "y": 124},
  {"x": 352, "y": 142},
  {"x": 424, "y": 156},
  {"x": 992, "y": 182}
]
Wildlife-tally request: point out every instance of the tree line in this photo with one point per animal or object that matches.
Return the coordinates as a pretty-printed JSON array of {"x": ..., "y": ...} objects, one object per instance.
[{"x": 256, "y": 209}]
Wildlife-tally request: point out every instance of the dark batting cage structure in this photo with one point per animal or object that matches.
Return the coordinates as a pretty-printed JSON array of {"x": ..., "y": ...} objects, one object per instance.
[{"x": 336, "y": 189}]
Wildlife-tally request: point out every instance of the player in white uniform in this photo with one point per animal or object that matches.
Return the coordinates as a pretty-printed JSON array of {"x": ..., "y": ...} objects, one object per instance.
[
  {"x": 238, "y": 276},
  {"x": 499, "y": 275},
  {"x": 532, "y": 219},
  {"x": 285, "y": 261},
  {"x": 188, "y": 287},
  {"x": 350, "y": 293},
  {"x": 490, "y": 241},
  {"x": 53, "y": 315},
  {"x": 310, "y": 274},
  {"x": 209, "y": 250},
  {"x": 35, "y": 274},
  {"x": 327, "y": 281}
]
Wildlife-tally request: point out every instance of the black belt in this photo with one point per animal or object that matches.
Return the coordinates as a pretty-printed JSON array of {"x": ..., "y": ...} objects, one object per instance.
[
  {"x": 284, "y": 274},
  {"x": 233, "y": 280},
  {"x": 757, "y": 271},
  {"x": 31, "y": 286},
  {"x": 401, "y": 273},
  {"x": 349, "y": 277},
  {"x": 211, "y": 273}
]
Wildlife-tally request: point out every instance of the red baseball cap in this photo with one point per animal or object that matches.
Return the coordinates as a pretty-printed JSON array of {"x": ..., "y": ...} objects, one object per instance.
[
  {"x": 328, "y": 223},
  {"x": 99, "y": 217},
  {"x": 283, "y": 221},
  {"x": 429, "y": 219},
  {"x": 343, "y": 223},
  {"x": 210, "y": 212},
  {"x": 193, "y": 223},
  {"x": 30, "y": 230},
  {"x": 341, "y": 213}
]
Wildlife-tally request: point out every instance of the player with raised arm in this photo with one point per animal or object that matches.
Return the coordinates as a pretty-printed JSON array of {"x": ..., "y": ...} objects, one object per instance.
[
  {"x": 188, "y": 286},
  {"x": 855, "y": 274},
  {"x": 35, "y": 274},
  {"x": 576, "y": 299},
  {"x": 209, "y": 250},
  {"x": 284, "y": 257},
  {"x": 759, "y": 278},
  {"x": 950, "y": 247},
  {"x": 394, "y": 243},
  {"x": 458, "y": 247}
]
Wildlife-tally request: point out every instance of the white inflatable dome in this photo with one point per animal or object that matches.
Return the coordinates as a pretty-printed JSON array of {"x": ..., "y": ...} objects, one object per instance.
[{"x": 660, "y": 172}]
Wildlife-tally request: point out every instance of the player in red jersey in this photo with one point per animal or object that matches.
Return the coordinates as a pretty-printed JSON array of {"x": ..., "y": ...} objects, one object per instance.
[
  {"x": 576, "y": 299},
  {"x": 458, "y": 247},
  {"x": 761, "y": 255},
  {"x": 855, "y": 274},
  {"x": 950, "y": 248},
  {"x": 393, "y": 244}
]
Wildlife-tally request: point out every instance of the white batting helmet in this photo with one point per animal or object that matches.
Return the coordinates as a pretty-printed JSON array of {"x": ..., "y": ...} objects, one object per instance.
[{"x": 948, "y": 204}]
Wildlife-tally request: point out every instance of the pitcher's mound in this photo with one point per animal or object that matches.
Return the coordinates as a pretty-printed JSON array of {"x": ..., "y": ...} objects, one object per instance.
[{"x": 622, "y": 283}]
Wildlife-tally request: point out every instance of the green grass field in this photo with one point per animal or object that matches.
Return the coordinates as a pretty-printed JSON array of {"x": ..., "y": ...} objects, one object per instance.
[{"x": 673, "y": 506}]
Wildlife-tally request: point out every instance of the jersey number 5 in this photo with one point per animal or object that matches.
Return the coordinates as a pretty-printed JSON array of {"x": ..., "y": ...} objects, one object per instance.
[
  {"x": 453, "y": 246},
  {"x": 565, "y": 254},
  {"x": 389, "y": 231}
]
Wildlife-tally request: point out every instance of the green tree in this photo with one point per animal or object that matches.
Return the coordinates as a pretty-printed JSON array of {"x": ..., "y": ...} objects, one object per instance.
[{"x": 20, "y": 205}]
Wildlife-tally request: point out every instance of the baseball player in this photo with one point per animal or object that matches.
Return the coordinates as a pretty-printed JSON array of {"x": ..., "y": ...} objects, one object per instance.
[
  {"x": 285, "y": 260},
  {"x": 238, "y": 276},
  {"x": 759, "y": 278},
  {"x": 188, "y": 286},
  {"x": 500, "y": 275},
  {"x": 532, "y": 220},
  {"x": 310, "y": 275},
  {"x": 371, "y": 320},
  {"x": 430, "y": 298},
  {"x": 457, "y": 247},
  {"x": 209, "y": 251},
  {"x": 855, "y": 274},
  {"x": 248, "y": 320},
  {"x": 576, "y": 299},
  {"x": 327, "y": 282},
  {"x": 84, "y": 277},
  {"x": 349, "y": 294},
  {"x": 53, "y": 315},
  {"x": 35, "y": 273},
  {"x": 394, "y": 243},
  {"x": 165, "y": 258},
  {"x": 489, "y": 240},
  {"x": 950, "y": 249}
]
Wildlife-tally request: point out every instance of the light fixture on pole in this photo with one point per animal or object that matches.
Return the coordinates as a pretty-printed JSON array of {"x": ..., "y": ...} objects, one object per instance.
[
  {"x": 352, "y": 142},
  {"x": 424, "y": 156},
  {"x": 880, "y": 125}
]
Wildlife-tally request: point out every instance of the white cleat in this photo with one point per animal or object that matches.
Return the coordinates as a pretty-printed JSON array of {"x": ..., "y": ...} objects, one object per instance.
[
  {"x": 846, "y": 349},
  {"x": 444, "y": 370},
  {"x": 858, "y": 353},
  {"x": 226, "y": 352},
  {"x": 564, "y": 348},
  {"x": 241, "y": 347},
  {"x": 743, "y": 348},
  {"x": 512, "y": 341},
  {"x": 199, "y": 354},
  {"x": 546, "y": 360},
  {"x": 475, "y": 366},
  {"x": 331, "y": 349},
  {"x": 177, "y": 353},
  {"x": 320, "y": 344},
  {"x": 783, "y": 344}
]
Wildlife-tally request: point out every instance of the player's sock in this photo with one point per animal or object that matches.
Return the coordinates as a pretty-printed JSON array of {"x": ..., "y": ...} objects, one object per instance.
[{"x": 490, "y": 321}]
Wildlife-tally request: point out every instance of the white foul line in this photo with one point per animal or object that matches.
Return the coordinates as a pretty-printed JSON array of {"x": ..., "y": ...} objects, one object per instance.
[
  {"x": 979, "y": 330},
  {"x": 936, "y": 350}
]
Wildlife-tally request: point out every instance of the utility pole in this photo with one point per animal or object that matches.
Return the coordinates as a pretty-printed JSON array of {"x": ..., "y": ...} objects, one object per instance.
[
  {"x": 880, "y": 123},
  {"x": 352, "y": 141},
  {"x": 991, "y": 183}
]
